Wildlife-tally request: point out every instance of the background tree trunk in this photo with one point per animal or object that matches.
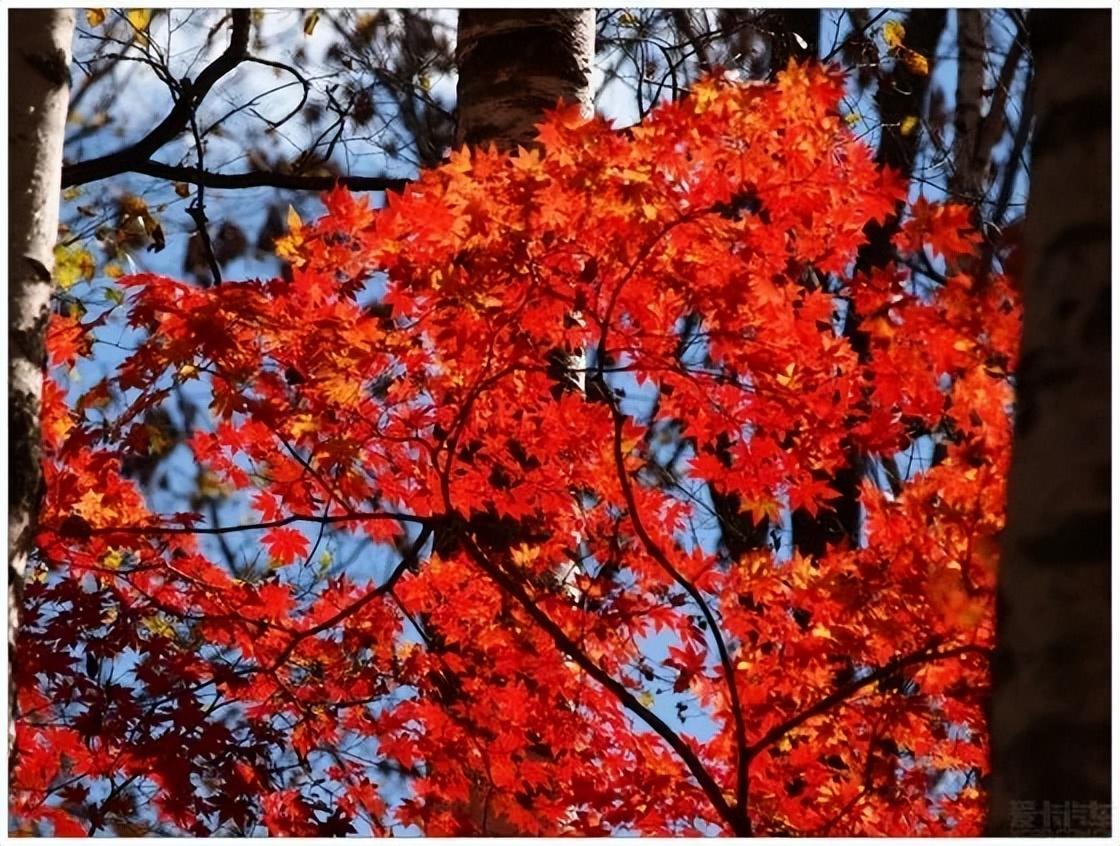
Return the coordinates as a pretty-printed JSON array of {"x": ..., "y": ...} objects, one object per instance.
[
  {"x": 516, "y": 64},
  {"x": 38, "y": 92},
  {"x": 900, "y": 94},
  {"x": 1050, "y": 709}
]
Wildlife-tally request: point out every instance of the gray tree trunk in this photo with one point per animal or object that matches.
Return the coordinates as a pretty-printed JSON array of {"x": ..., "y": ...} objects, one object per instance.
[
  {"x": 516, "y": 64},
  {"x": 1050, "y": 711},
  {"x": 38, "y": 95}
]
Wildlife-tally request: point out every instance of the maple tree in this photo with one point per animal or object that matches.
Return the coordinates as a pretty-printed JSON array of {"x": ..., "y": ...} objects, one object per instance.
[{"x": 412, "y": 387}]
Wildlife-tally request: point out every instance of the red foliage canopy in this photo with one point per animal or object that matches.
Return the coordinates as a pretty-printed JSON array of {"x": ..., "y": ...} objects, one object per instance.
[{"x": 568, "y": 354}]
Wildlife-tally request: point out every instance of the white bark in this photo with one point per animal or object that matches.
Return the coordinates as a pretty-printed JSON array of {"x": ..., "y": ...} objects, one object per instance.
[{"x": 38, "y": 95}]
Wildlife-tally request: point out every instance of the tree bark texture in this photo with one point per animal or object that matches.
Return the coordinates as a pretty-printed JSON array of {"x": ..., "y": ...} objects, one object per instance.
[
  {"x": 1051, "y": 704},
  {"x": 516, "y": 64},
  {"x": 38, "y": 95}
]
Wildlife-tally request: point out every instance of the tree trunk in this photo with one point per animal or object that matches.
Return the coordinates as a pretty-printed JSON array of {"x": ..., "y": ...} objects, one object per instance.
[
  {"x": 802, "y": 34},
  {"x": 38, "y": 92},
  {"x": 901, "y": 94},
  {"x": 1050, "y": 709},
  {"x": 516, "y": 64},
  {"x": 967, "y": 180}
]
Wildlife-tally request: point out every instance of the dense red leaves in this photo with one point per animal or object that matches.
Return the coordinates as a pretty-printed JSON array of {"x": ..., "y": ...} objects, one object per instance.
[{"x": 543, "y": 657}]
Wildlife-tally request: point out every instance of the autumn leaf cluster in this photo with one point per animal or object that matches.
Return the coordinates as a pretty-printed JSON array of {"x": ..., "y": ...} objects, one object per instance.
[{"x": 524, "y": 383}]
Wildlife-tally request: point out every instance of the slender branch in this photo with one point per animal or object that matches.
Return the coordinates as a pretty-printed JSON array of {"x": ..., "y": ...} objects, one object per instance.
[
  {"x": 408, "y": 562},
  {"x": 197, "y": 209},
  {"x": 566, "y": 645},
  {"x": 177, "y": 119},
  {"x": 924, "y": 655},
  {"x": 1018, "y": 145},
  {"x": 995, "y": 122},
  {"x": 663, "y": 561},
  {"x": 862, "y": 29},
  {"x": 347, "y": 517}
]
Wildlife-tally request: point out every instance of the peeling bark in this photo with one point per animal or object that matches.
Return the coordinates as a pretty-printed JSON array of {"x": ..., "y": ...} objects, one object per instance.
[
  {"x": 1050, "y": 719},
  {"x": 38, "y": 91}
]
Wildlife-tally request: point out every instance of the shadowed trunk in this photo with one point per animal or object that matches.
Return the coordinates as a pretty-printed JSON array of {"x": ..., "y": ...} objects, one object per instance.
[
  {"x": 38, "y": 91},
  {"x": 803, "y": 24},
  {"x": 1051, "y": 704}
]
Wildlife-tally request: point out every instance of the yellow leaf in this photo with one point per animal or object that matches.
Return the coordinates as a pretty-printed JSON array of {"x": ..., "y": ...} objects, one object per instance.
[
  {"x": 342, "y": 389},
  {"x": 95, "y": 17},
  {"x": 894, "y": 33},
  {"x": 908, "y": 125},
  {"x": 287, "y": 246},
  {"x": 158, "y": 625},
  {"x": 635, "y": 175},
  {"x": 524, "y": 555},
  {"x": 646, "y": 698},
  {"x": 72, "y": 264},
  {"x": 760, "y": 509},
  {"x": 310, "y": 22},
  {"x": 113, "y": 560},
  {"x": 852, "y": 118},
  {"x": 211, "y": 487},
  {"x": 114, "y": 271},
  {"x": 821, "y": 631},
  {"x": 302, "y": 425},
  {"x": 787, "y": 378},
  {"x": 139, "y": 18}
]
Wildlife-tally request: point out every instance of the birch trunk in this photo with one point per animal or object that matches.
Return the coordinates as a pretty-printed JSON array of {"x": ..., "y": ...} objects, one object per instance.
[
  {"x": 38, "y": 95},
  {"x": 1051, "y": 705}
]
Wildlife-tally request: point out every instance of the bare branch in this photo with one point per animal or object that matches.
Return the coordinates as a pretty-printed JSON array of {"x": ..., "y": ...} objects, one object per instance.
[
  {"x": 346, "y": 517},
  {"x": 265, "y": 179},
  {"x": 177, "y": 119},
  {"x": 662, "y": 560},
  {"x": 733, "y": 816}
]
